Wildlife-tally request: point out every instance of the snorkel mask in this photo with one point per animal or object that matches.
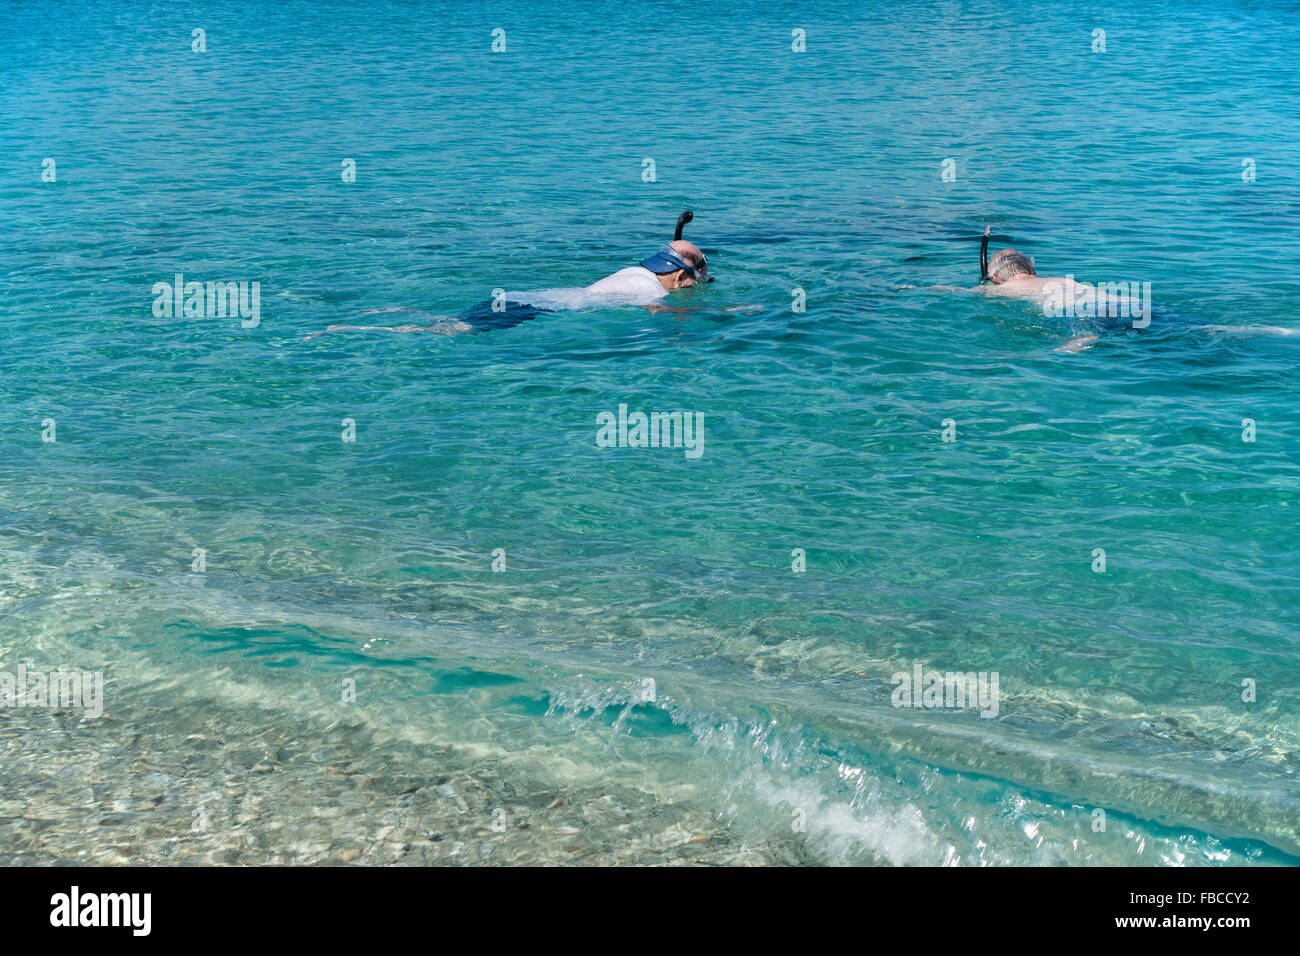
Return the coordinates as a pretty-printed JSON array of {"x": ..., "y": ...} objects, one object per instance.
[{"x": 669, "y": 259}]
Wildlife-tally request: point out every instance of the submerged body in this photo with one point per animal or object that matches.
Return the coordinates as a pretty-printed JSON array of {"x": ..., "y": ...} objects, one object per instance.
[
  {"x": 1011, "y": 274},
  {"x": 1025, "y": 287},
  {"x": 1041, "y": 289}
]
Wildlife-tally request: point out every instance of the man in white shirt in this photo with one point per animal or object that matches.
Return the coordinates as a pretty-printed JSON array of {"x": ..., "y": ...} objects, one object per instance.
[{"x": 678, "y": 265}]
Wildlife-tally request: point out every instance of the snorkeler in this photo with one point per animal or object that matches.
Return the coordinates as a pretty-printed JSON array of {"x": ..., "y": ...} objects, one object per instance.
[
  {"x": 1009, "y": 272},
  {"x": 678, "y": 265}
]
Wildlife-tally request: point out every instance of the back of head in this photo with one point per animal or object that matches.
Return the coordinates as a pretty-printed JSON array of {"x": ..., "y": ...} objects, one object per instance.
[{"x": 1009, "y": 264}]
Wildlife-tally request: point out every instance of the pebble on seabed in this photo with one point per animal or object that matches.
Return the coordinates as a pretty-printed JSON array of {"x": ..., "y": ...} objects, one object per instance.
[{"x": 297, "y": 792}]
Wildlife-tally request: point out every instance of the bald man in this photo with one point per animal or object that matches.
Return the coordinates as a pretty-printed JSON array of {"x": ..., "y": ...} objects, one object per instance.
[{"x": 678, "y": 265}]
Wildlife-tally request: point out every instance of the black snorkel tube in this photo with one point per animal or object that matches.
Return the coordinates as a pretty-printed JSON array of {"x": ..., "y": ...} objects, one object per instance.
[
  {"x": 984, "y": 255},
  {"x": 682, "y": 220}
]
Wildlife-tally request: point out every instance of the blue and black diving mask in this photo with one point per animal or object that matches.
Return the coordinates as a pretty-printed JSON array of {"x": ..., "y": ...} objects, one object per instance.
[{"x": 669, "y": 259}]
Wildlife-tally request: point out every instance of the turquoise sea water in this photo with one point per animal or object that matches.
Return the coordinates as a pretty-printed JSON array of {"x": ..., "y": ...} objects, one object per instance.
[{"x": 821, "y": 170}]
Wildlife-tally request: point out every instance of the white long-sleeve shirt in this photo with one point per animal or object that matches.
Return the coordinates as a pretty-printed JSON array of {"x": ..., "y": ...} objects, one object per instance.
[{"x": 637, "y": 283}]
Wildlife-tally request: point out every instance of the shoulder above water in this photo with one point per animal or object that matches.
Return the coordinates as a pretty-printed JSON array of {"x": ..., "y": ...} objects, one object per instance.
[{"x": 635, "y": 281}]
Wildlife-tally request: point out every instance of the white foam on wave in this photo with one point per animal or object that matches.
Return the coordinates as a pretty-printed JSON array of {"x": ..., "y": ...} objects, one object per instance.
[
  {"x": 841, "y": 833},
  {"x": 768, "y": 784}
]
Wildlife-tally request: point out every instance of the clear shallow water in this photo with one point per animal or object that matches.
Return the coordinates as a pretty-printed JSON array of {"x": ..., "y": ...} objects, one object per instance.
[{"x": 821, "y": 170}]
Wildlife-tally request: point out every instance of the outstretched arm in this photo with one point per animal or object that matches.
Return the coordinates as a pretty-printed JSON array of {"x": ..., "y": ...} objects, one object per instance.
[
  {"x": 394, "y": 308},
  {"x": 655, "y": 307}
]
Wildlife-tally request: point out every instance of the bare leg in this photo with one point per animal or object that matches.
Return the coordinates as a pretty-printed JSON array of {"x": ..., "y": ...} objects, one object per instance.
[
  {"x": 444, "y": 327},
  {"x": 442, "y": 324},
  {"x": 356, "y": 328},
  {"x": 1249, "y": 329},
  {"x": 1079, "y": 344}
]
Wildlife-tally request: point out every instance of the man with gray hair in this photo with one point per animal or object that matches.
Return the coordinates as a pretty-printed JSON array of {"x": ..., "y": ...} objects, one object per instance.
[{"x": 1011, "y": 273}]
